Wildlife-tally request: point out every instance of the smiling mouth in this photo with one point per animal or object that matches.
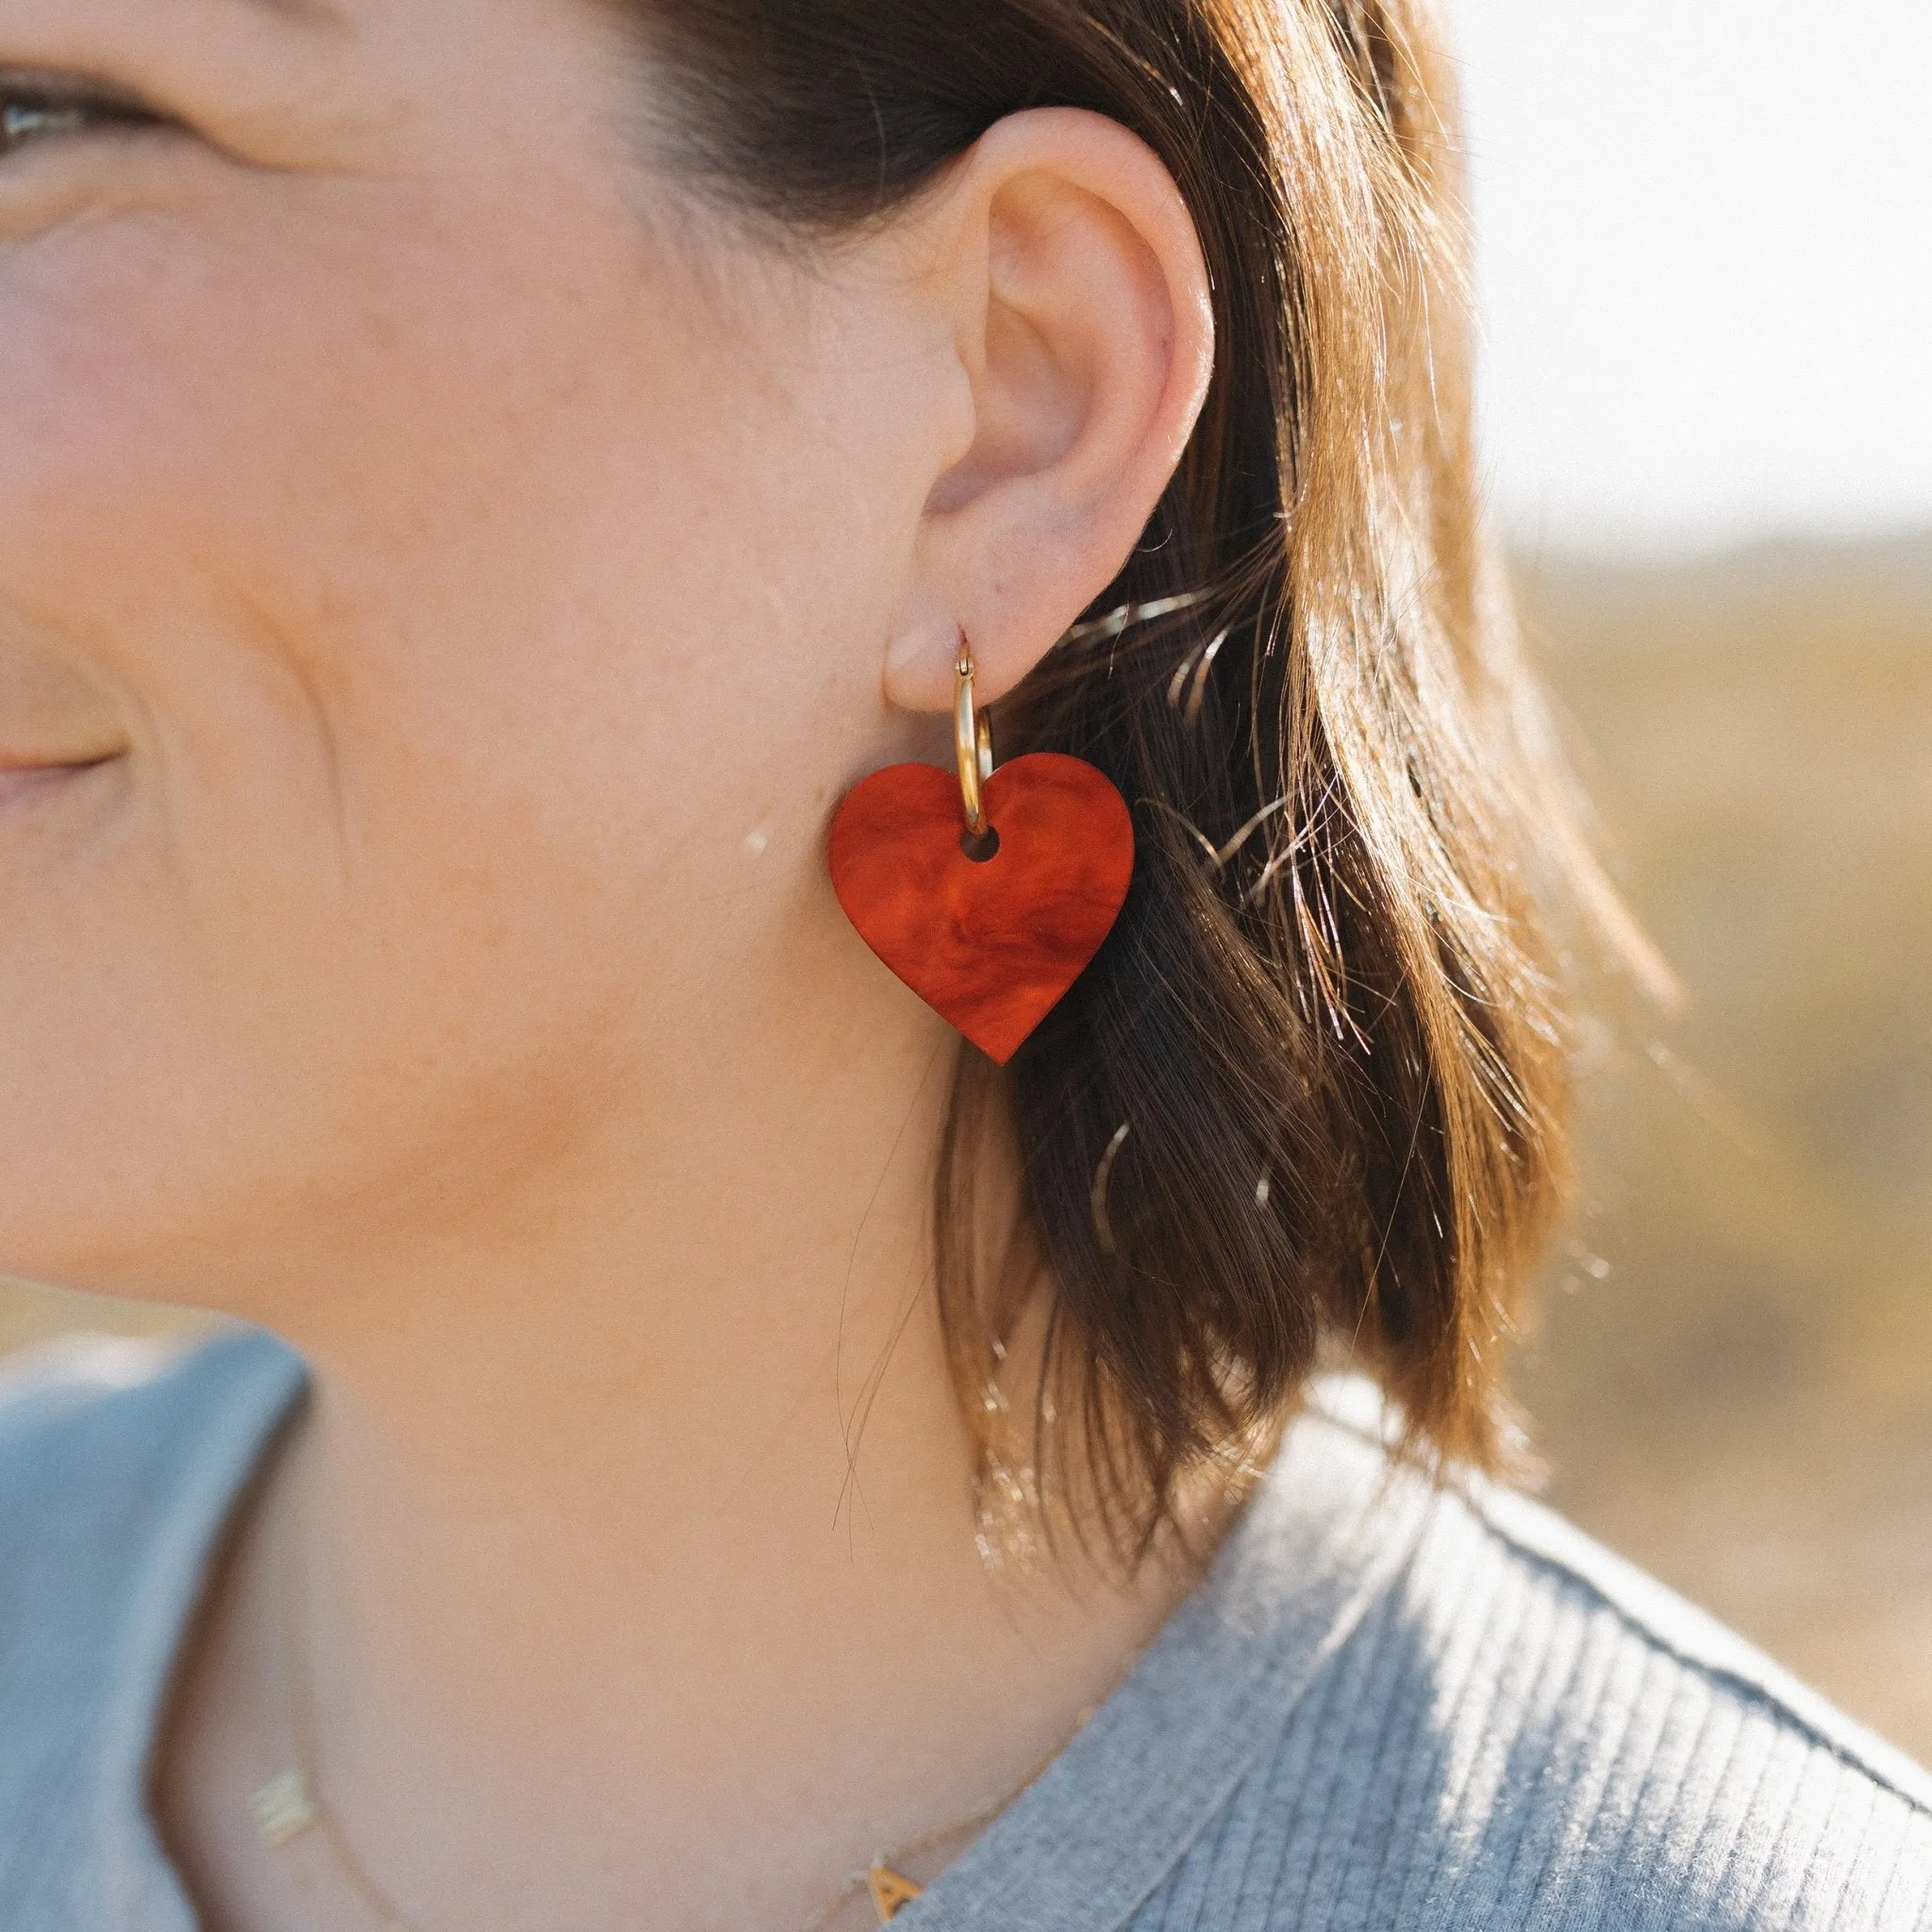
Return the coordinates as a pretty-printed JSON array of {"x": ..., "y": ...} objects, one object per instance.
[{"x": 25, "y": 779}]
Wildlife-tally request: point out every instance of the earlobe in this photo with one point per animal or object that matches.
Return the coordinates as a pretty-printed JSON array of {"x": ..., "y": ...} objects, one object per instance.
[{"x": 1085, "y": 328}]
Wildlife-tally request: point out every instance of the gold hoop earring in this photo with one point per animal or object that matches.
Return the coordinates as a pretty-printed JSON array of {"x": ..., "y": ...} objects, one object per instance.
[
  {"x": 986, "y": 896},
  {"x": 972, "y": 745}
]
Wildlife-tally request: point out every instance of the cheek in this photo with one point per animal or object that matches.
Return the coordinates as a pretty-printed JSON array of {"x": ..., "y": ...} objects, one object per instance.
[
  {"x": 482, "y": 615},
  {"x": 357, "y": 530}
]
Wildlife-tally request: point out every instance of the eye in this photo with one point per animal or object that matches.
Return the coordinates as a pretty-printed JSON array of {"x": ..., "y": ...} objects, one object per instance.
[{"x": 33, "y": 111}]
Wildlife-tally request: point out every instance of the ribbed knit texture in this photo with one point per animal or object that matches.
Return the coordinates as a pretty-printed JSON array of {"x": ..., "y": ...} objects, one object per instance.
[
  {"x": 1388, "y": 1707},
  {"x": 1502, "y": 1744}
]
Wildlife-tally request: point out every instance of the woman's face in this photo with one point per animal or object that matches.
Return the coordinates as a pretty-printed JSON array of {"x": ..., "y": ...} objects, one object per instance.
[{"x": 440, "y": 592}]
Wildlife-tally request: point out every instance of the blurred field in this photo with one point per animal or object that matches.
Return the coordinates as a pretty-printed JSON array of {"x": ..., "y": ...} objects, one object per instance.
[
  {"x": 1733, "y": 1383},
  {"x": 1733, "y": 1380}
]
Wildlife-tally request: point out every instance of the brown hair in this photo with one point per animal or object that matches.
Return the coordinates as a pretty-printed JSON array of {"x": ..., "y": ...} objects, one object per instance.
[{"x": 1309, "y": 1099}]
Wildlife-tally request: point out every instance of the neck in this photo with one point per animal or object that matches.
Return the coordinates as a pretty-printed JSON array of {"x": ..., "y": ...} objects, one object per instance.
[{"x": 638, "y": 1550}]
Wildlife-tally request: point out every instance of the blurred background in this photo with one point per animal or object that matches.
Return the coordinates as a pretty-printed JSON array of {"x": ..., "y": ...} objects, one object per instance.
[{"x": 1705, "y": 286}]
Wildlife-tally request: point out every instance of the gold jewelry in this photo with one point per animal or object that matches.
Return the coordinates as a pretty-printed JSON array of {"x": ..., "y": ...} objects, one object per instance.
[
  {"x": 890, "y": 1893},
  {"x": 890, "y": 1890},
  {"x": 290, "y": 1802},
  {"x": 972, "y": 745}
]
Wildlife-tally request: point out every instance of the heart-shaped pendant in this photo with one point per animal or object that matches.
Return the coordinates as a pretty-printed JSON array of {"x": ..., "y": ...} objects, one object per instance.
[{"x": 991, "y": 943}]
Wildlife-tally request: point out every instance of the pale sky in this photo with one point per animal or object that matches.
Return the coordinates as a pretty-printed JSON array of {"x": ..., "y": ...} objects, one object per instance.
[{"x": 1704, "y": 232}]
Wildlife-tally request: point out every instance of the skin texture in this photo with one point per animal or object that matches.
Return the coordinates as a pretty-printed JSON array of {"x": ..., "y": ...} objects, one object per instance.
[{"x": 446, "y": 579}]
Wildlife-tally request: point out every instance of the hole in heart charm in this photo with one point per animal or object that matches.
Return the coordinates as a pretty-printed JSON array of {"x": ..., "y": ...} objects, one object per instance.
[{"x": 989, "y": 938}]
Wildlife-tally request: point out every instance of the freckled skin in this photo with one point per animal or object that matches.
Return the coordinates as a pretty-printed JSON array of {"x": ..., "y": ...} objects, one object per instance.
[
  {"x": 447, "y": 578},
  {"x": 424, "y": 577}
]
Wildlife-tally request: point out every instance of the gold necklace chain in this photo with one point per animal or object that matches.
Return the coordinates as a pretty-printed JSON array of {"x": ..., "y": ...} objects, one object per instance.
[
  {"x": 891, "y": 1890},
  {"x": 290, "y": 1803}
]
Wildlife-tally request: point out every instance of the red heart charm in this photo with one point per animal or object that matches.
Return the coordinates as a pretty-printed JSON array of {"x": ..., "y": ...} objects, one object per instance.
[{"x": 989, "y": 943}]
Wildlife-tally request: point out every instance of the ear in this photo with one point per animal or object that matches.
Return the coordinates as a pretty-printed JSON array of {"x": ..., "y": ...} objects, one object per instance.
[{"x": 1082, "y": 321}]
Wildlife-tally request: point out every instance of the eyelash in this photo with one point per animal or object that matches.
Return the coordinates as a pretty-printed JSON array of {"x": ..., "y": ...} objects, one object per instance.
[{"x": 36, "y": 112}]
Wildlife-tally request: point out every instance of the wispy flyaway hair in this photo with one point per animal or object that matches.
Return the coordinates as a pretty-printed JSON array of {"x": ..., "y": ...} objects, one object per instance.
[{"x": 1308, "y": 1102}]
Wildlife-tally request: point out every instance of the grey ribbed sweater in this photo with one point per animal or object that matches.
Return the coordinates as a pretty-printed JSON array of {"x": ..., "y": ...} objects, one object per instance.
[{"x": 1387, "y": 1707}]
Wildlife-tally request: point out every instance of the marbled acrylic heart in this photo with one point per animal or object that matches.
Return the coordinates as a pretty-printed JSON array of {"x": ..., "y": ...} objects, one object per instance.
[{"x": 989, "y": 943}]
